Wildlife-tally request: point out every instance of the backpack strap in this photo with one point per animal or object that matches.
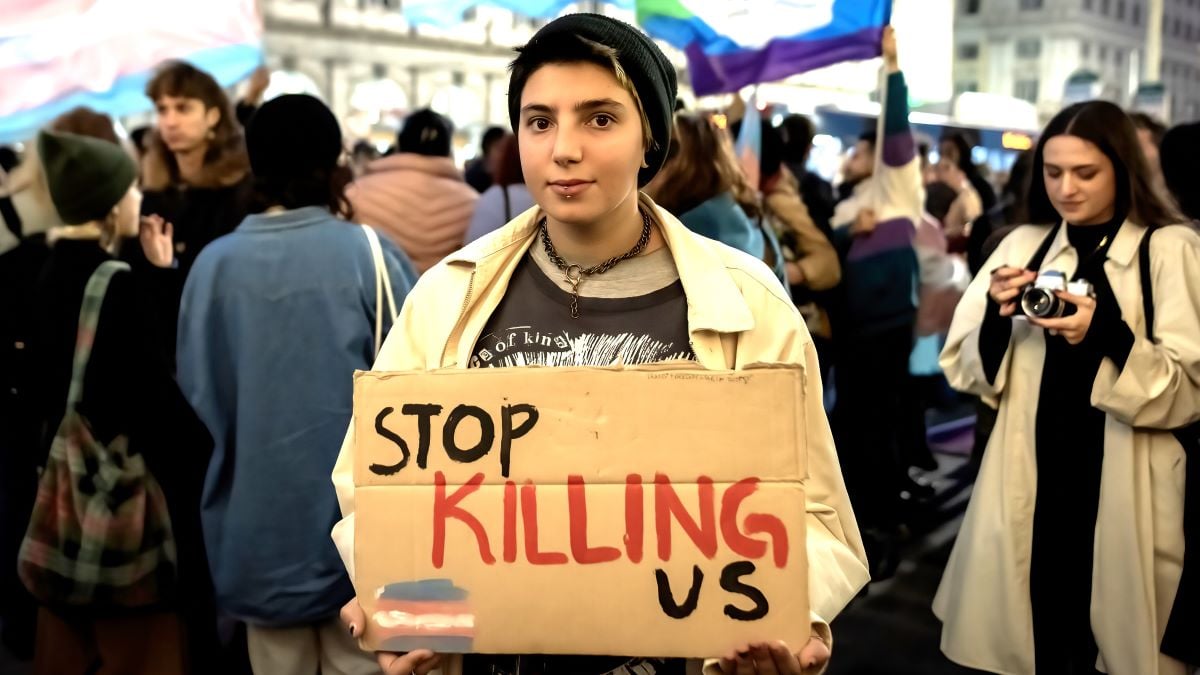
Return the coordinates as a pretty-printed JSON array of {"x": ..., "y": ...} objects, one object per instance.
[
  {"x": 1035, "y": 263},
  {"x": 89, "y": 318}
]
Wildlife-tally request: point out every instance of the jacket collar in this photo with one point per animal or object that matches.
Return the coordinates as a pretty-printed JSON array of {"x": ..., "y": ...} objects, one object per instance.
[
  {"x": 714, "y": 301},
  {"x": 1122, "y": 252}
]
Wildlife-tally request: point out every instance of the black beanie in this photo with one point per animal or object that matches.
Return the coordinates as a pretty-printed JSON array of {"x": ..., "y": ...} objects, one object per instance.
[
  {"x": 648, "y": 69},
  {"x": 86, "y": 176},
  {"x": 425, "y": 132},
  {"x": 293, "y": 136}
]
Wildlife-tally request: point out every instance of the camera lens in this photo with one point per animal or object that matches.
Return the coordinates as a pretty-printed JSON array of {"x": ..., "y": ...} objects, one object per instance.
[{"x": 1040, "y": 303}]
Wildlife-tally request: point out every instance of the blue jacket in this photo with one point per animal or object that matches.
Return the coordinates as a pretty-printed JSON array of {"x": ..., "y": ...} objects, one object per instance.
[
  {"x": 275, "y": 318},
  {"x": 721, "y": 218}
]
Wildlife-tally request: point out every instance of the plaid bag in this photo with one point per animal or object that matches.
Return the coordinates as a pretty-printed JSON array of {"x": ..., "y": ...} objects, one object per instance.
[{"x": 100, "y": 534}]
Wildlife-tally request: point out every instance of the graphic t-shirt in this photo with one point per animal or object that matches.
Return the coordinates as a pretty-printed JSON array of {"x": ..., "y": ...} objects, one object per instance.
[{"x": 632, "y": 314}]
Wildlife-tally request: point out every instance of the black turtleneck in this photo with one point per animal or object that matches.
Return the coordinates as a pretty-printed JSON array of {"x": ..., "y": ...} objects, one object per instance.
[
  {"x": 1069, "y": 453},
  {"x": 1107, "y": 334}
]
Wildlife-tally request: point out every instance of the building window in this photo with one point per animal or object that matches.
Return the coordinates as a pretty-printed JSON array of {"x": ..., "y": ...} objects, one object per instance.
[
  {"x": 971, "y": 6},
  {"x": 1088, "y": 5},
  {"x": 1026, "y": 90},
  {"x": 1085, "y": 50},
  {"x": 1029, "y": 49},
  {"x": 1118, "y": 57},
  {"x": 1120, "y": 10},
  {"x": 1105, "y": 5},
  {"x": 1031, "y": 4},
  {"x": 965, "y": 86},
  {"x": 1103, "y": 55},
  {"x": 968, "y": 51},
  {"x": 1137, "y": 14}
]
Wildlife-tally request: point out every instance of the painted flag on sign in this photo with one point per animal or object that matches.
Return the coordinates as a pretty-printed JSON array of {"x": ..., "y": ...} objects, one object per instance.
[
  {"x": 59, "y": 54},
  {"x": 446, "y": 13},
  {"x": 734, "y": 43}
]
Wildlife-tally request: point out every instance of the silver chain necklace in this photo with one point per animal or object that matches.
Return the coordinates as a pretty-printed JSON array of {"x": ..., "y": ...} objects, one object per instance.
[{"x": 574, "y": 274}]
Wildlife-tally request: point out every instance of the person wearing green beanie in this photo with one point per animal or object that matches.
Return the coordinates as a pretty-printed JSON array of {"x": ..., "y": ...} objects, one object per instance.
[
  {"x": 619, "y": 280},
  {"x": 128, "y": 393},
  {"x": 88, "y": 178}
]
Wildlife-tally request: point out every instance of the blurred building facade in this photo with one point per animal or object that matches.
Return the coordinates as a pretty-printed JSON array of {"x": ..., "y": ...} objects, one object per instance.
[{"x": 1051, "y": 52}]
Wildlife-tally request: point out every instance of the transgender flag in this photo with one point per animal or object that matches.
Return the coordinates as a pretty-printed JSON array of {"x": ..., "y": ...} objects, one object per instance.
[
  {"x": 59, "y": 54},
  {"x": 734, "y": 43}
]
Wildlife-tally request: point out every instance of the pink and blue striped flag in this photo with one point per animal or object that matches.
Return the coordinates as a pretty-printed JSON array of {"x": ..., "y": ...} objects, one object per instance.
[
  {"x": 59, "y": 54},
  {"x": 731, "y": 44},
  {"x": 445, "y": 13}
]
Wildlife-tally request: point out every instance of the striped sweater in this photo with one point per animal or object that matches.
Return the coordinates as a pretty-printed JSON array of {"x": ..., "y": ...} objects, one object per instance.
[{"x": 880, "y": 270}]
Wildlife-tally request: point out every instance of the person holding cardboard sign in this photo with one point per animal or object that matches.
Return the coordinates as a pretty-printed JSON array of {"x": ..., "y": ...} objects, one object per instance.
[{"x": 597, "y": 275}]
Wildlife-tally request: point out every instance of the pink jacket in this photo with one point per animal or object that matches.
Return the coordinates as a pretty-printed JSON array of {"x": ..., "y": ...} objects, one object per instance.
[{"x": 421, "y": 202}]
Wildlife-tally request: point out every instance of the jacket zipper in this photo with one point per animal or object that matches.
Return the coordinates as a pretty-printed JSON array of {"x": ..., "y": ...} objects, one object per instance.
[{"x": 461, "y": 314}]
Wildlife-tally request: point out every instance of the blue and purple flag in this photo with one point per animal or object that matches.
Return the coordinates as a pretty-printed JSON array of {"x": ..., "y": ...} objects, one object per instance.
[
  {"x": 731, "y": 43},
  {"x": 59, "y": 54}
]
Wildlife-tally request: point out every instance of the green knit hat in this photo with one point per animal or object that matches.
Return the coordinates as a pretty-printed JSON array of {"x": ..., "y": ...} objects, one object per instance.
[{"x": 86, "y": 176}]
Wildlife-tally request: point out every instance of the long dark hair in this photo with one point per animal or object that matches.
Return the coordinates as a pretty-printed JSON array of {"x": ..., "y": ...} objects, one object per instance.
[
  {"x": 1108, "y": 128},
  {"x": 986, "y": 194}
]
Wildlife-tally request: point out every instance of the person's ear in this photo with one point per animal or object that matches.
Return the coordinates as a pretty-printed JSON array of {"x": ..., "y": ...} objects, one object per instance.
[{"x": 212, "y": 117}]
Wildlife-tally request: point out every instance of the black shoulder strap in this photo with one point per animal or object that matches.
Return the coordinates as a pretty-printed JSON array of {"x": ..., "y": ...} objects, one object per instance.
[
  {"x": 1035, "y": 263},
  {"x": 507, "y": 206},
  {"x": 1147, "y": 283}
]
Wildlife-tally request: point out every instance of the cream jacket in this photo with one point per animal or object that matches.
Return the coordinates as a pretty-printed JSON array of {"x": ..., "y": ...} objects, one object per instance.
[
  {"x": 738, "y": 315},
  {"x": 984, "y": 594}
]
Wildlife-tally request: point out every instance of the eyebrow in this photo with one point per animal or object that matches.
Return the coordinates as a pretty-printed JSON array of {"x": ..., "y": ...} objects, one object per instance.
[
  {"x": 1074, "y": 168},
  {"x": 582, "y": 106}
]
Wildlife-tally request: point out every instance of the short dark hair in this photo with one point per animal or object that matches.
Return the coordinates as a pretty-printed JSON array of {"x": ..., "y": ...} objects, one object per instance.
[
  {"x": 425, "y": 133},
  {"x": 868, "y": 137},
  {"x": 1108, "y": 128},
  {"x": 1143, "y": 121},
  {"x": 798, "y": 132},
  {"x": 491, "y": 137}
]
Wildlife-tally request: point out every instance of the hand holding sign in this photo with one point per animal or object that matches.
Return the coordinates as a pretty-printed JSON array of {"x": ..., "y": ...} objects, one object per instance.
[{"x": 776, "y": 658}]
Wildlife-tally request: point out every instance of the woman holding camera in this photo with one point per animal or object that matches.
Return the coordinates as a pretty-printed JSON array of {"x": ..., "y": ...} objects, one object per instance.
[{"x": 1071, "y": 552}]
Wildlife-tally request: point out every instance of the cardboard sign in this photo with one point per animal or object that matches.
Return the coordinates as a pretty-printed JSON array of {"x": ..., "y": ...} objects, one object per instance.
[{"x": 650, "y": 512}]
